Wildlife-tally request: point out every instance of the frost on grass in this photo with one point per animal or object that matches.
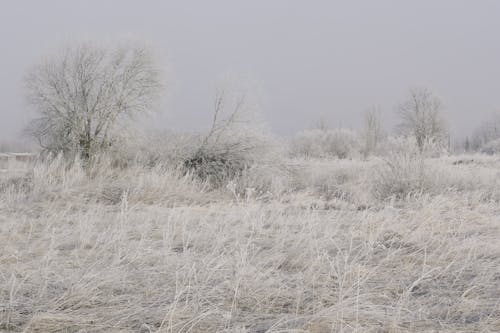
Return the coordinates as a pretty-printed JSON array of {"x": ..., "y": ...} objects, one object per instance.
[{"x": 146, "y": 249}]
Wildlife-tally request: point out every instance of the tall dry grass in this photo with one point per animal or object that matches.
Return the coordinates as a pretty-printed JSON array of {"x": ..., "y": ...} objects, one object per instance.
[{"x": 136, "y": 249}]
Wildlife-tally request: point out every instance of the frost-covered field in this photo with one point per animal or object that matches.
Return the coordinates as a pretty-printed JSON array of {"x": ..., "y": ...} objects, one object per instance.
[{"x": 320, "y": 246}]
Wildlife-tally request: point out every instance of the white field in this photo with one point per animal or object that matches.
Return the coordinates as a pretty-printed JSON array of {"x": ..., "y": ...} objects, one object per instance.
[{"x": 327, "y": 247}]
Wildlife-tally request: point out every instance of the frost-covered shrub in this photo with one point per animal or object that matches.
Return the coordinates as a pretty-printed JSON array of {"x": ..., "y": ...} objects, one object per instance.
[
  {"x": 401, "y": 144},
  {"x": 216, "y": 167},
  {"x": 236, "y": 140},
  {"x": 264, "y": 180},
  {"x": 487, "y": 132},
  {"x": 340, "y": 143},
  {"x": 167, "y": 147},
  {"x": 399, "y": 176},
  {"x": 229, "y": 156},
  {"x": 404, "y": 171},
  {"x": 492, "y": 147}
]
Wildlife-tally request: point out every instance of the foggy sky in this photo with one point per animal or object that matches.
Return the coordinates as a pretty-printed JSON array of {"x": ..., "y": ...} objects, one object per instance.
[{"x": 309, "y": 59}]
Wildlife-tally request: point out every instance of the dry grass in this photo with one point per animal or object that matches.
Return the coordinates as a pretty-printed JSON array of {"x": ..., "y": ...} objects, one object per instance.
[{"x": 140, "y": 250}]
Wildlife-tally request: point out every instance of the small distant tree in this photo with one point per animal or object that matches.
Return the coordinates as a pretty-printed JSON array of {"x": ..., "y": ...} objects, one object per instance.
[
  {"x": 322, "y": 124},
  {"x": 467, "y": 145},
  {"x": 372, "y": 132},
  {"x": 421, "y": 117},
  {"x": 488, "y": 131},
  {"x": 82, "y": 95}
]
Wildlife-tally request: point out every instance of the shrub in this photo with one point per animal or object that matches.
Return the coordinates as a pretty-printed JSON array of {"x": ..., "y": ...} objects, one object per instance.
[
  {"x": 159, "y": 148},
  {"x": 264, "y": 180},
  {"x": 234, "y": 142},
  {"x": 340, "y": 143},
  {"x": 404, "y": 171},
  {"x": 218, "y": 161},
  {"x": 216, "y": 167},
  {"x": 492, "y": 147},
  {"x": 487, "y": 132},
  {"x": 400, "y": 144},
  {"x": 400, "y": 176}
]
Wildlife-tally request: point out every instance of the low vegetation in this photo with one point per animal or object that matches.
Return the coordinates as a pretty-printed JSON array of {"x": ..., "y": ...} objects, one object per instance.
[
  {"x": 317, "y": 143},
  {"x": 378, "y": 245}
]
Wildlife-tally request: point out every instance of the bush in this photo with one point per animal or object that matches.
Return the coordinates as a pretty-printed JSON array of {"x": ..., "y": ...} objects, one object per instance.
[
  {"x": 492, "y": 147},
  {"x": 216, "y": 167},
  {"x": 400, "y": 176},
  {"x": 404, "y": 171},
  {"x": 224, "y": 159},
  {"x": 235, "y": 141},
  {"x": 400, "y": 145},
  {"x": 161, "y": 147},
  {"x": 264, "y": 180},
  {"x": 340, "y": 143}
]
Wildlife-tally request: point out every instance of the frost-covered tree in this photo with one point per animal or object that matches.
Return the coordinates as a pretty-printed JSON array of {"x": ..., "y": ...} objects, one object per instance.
[
  {"x": 372, "y": 131},
  {"x": 488, "y": 131},
  {"x": 421, "y": 117},
  {"x": 84, "y": 96}
]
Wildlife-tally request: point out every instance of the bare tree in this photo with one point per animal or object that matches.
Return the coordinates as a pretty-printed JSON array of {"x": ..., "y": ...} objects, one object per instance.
[
  {"x": 82, "y": 96},
  {"x": 322, "y": 124},
  {"x": 421, "y": 117},
  {"x": 467, "y": 145},
  {"x": 488, "y": 131},
  {"x": 372, "y": 132}
]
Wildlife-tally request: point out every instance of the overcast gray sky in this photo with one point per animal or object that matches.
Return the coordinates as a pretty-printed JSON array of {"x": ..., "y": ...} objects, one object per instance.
[{"x": 309, "y": 59}]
